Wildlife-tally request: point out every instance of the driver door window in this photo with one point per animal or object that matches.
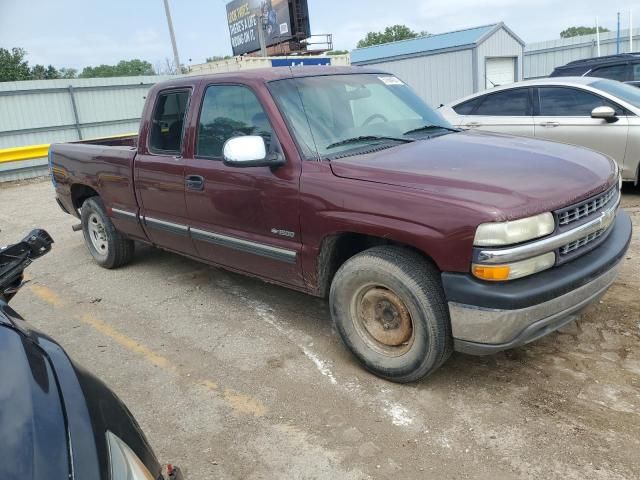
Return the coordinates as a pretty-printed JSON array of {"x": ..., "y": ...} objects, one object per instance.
[{"x": 229, "y": 111}]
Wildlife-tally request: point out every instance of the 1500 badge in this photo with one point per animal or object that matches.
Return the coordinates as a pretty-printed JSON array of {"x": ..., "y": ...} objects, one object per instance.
[{"x": 283, "y": 233}]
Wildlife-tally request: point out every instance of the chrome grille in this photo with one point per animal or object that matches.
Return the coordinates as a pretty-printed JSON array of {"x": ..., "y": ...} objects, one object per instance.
[
  {"x": 584, "y": 209},
  {"x": 573, "y": 246}
]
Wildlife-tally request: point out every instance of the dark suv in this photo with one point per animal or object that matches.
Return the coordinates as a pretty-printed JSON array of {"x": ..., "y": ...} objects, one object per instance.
[{"x": 624, "y": 67}]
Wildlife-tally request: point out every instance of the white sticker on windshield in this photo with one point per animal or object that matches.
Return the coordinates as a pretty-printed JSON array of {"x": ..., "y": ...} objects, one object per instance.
[{"x": 391, "y": 81}]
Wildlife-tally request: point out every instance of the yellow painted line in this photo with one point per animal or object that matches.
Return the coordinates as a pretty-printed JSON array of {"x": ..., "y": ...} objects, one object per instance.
[
  {"x": 238, "y": 402},
  {"x": 244, "y": 403},
  {"x": 48, "y": 295},
  {"x": 31, "y": 152},
  {"x": 126, "y": 342}
]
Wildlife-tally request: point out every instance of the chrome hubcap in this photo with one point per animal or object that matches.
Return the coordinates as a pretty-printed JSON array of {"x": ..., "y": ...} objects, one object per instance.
[{"x": 98, "y": 234}]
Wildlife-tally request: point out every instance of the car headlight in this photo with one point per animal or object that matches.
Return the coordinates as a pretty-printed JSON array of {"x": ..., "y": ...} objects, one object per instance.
[
  {"x": 125, "y": 465},
  {"x": 511, "y": 271},
  {"x": 516, "y": 231}
]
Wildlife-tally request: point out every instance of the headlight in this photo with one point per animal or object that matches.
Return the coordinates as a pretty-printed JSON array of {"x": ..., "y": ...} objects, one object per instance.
[
  {"x": 125, "y": 465},
  {"x": 511, "y": 271},
  {"x": 517, "y": 231}
]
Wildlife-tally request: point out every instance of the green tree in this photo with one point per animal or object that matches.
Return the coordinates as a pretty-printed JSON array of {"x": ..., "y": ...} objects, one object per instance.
[
  {"x": 40, "y": 72},
  {"x": 577, "y": 31},
  {"x": 68, "y": 73},
  {"x": 217, "y": 58},
  {"x": 124, "y": 68},
  {"x": 338, "y": 52},
  {"x": 389, "y": 34},
  {"x": 13, "y": 66}
]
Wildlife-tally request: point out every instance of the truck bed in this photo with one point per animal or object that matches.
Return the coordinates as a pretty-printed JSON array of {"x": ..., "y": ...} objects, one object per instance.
[{"x": 105, "y": 167}]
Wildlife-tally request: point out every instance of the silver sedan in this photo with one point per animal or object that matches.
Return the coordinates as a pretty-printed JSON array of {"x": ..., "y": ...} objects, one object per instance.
[{"x": 600, "y": 114}]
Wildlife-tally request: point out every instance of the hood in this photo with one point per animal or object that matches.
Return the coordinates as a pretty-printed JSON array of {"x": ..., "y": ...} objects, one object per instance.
[
  {"x": 505, "y": 176},
  {"x": 33, "y": 435}
]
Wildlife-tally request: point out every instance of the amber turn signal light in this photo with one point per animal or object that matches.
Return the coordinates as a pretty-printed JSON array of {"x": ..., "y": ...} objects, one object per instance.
[{"x": 492, "y": 273}]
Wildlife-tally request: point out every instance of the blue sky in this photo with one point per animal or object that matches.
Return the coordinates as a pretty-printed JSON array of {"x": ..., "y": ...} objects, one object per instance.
[{"x": 76, "y": 33}]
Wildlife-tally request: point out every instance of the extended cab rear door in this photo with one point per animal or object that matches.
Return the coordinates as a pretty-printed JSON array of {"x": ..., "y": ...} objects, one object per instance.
[
  {"x": 243, "y": 218},
  {"x": 159, "y": 171}
]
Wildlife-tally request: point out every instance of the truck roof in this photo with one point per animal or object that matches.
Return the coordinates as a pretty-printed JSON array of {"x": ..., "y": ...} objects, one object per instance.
[{"x": 271, "y": 74}]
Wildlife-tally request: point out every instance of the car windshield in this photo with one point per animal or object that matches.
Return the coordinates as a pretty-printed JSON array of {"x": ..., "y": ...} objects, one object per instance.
[
  {"x": 331, "y": 115},
  {"x": 620, "y": 90}
]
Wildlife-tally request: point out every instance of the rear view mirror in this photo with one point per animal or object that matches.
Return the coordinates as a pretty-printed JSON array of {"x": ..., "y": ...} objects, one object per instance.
[
  {"x": 604, "y": 113},
  {"x": 249, "y": 151}
]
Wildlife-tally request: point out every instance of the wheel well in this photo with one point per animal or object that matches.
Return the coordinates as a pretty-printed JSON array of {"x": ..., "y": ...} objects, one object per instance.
[
  {"x": 337, "y": 249},
  {"x": 79, "y": 193}
]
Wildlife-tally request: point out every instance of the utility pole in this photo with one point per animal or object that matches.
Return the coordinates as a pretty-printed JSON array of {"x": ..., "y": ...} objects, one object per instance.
[
  {"x": 598, "y": 36},
  {"x": 617, "y": 37},
  {"x": 630, "y": 31},
  {"x": 261, "y": 32},
  {"x": 176, "y": 58}
]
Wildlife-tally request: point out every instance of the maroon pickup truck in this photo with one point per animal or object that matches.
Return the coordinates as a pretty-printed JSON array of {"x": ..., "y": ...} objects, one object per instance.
[{"x": 341, "y": 182}]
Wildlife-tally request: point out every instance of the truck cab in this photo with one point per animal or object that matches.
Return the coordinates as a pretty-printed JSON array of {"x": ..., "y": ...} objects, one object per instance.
[{"x": 343, "y": 183}]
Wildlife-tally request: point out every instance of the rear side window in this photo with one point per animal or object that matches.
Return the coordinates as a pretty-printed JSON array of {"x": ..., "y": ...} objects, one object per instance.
[
  {"x": 636, "y": 72},
  {"x": 467, "y": 107},
  {"x": 511, "y": 103},
  {"x": 229, "y": 111},
  {"x": 612, "y": 72},
  {"x": 168, "y": 121},
  {"x": 570, "y": 102},
  {"x": 569, "y": 71}
]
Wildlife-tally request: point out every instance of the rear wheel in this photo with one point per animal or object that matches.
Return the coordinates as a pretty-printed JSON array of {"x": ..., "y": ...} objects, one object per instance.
[
  {"x": 107, "y": 246},
  {"x": 389, "y": 308}
]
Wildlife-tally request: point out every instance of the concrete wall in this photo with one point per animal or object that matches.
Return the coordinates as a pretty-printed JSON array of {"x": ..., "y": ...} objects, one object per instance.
[
  {"x": 542, "y": 57},
  {"x": 249, "y": 63}
]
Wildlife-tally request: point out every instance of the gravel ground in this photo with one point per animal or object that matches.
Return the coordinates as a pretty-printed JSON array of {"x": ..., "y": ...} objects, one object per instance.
[{"x": 233, "y": 378}]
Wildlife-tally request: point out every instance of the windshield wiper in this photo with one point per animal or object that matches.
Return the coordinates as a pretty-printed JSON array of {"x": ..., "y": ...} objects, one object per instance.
[
  {"x": 426, "y": 128},
  {"x": 364, "y": 138}
]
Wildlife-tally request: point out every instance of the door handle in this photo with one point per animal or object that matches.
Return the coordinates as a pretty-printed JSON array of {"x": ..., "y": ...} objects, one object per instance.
[
  {"x": 473, "y": 124},
  {"x": 194, "y": 182},
  {"x": 550, "y": 124}
]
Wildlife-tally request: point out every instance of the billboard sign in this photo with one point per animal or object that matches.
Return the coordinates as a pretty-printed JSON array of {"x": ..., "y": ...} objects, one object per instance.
[{"x": 243, "y": 17}]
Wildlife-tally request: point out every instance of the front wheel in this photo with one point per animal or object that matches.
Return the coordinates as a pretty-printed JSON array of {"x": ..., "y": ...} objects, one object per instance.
[
  {"x": 389, "y": 308},
  {"x": 107, "y": 246}
]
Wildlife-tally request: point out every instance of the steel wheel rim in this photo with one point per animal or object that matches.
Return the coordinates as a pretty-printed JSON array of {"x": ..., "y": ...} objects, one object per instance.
[
  {"x": 382, "y": 320},
  {"x": 98, "y": 235}
]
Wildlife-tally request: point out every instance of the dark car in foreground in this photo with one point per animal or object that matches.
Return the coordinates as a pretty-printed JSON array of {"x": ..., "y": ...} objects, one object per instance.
[
  {"x": 624, "y": 67},
  {"x": 342, "y": 182},
  {"x": 57, "y": 421}
]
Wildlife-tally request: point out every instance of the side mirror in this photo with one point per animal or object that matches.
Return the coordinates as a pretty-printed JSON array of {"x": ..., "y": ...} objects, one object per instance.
[
  {"x": 249, "y": 151},
  {"x": 604, "y": 113}
]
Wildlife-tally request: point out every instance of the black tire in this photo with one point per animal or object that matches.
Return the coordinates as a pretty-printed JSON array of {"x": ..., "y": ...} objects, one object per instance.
[
  {"x": 111, "y": 249},
  {"x": 361, "y": 287}
]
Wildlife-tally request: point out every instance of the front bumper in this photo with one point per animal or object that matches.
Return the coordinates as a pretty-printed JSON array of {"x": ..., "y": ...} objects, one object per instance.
[{"x": 490, "y": 317}]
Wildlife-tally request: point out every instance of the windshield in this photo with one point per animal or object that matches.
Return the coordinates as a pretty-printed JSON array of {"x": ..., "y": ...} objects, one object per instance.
[
  {"x": 621, "y": 90},
  {"x": 333, "y": 114}
]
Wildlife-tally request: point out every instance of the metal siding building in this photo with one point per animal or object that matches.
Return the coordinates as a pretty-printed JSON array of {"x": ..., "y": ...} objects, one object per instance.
[
  {"x": 49, "y": 111},
  {"x": 447, "y": 66},
  {"x": 541, "y": 58}
]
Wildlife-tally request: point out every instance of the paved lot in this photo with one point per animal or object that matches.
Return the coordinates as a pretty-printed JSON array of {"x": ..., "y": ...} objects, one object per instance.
[{"x": 233, "y": 378}]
